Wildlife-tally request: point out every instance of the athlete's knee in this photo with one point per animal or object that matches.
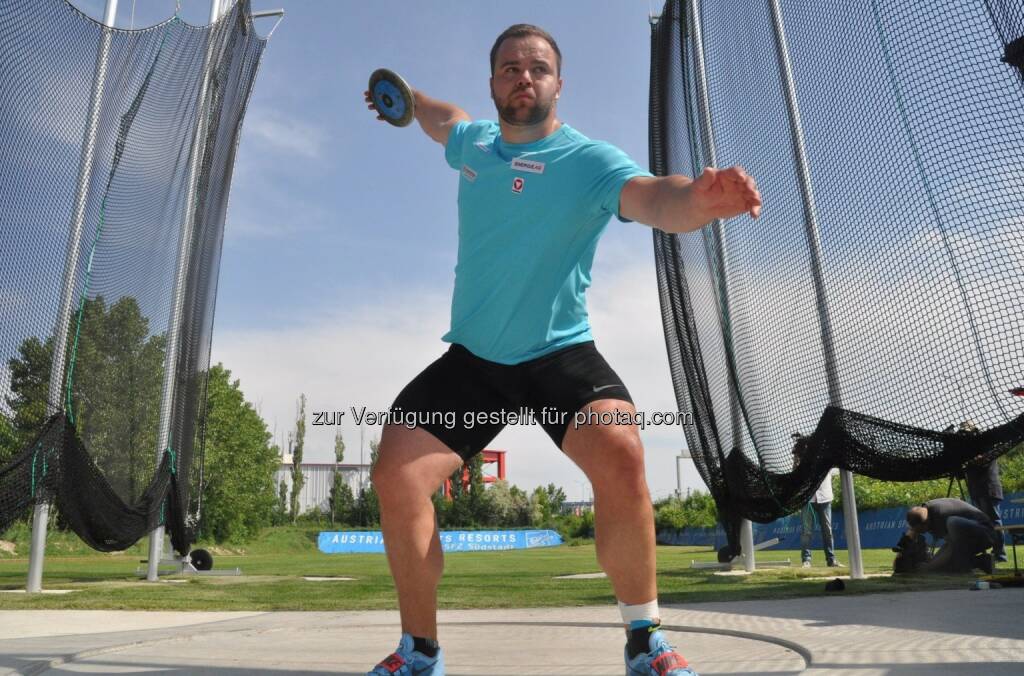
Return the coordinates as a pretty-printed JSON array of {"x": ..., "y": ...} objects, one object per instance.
[
  {"x": 623, "y": 470},
  {"x": 396, "y": 484},
  {"x": 405, "y": 468},
  {"x": 391, "y": 473}
]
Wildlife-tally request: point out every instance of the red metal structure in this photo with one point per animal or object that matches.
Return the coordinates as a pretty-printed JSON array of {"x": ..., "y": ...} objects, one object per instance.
[{"x": 490, "y": 457}]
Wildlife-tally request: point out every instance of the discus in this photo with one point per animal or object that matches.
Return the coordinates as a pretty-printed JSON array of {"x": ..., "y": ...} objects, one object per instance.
[{"x": 392, "y": 97}]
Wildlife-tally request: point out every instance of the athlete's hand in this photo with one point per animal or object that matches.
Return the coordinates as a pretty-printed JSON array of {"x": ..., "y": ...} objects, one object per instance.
[
  {"x": 725, "y": 193},
  {"x": 370, "y": 104}
]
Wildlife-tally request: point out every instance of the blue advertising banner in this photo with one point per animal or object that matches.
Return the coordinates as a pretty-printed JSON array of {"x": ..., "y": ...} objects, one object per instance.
[
  {"x": 879, "y": 528},
  {"x": 372, "y": 542}
]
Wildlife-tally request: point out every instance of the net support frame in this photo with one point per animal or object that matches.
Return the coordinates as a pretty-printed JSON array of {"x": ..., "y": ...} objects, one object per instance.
[
  {"x": 710, "y": 159},
  {"x": 156, "y": 538},
  {"x": 41, "y": 511},
  {"x": 747, "y": 545},
  {"x": 813, "y": 232}
]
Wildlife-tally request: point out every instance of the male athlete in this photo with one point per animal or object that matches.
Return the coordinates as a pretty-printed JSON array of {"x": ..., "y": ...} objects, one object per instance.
[{"x": 534, "y": 198}]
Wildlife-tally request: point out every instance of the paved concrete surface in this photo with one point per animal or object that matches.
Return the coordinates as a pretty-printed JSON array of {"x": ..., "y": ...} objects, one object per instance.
[{"x": 951, "y": 632}]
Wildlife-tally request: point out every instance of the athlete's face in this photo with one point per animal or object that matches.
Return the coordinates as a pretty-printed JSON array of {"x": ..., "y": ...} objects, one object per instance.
[{"x": 525, "y": 83}]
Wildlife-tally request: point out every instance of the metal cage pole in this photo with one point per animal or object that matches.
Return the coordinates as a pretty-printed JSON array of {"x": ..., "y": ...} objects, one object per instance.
[
  {"x": 156, "y": 538},
  {"x": 722, "y": 254},
  {"x": 41, "y": 512},
  {"x": 820, "y": 294}
]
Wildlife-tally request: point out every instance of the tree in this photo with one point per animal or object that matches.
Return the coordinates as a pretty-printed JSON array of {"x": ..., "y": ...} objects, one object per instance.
[
  {"x": 115, "y": 367},
  {"x": 521, "y": 504},
  {"x": 374, "y": 453},
  {"x": 8, "y": 440},
  {"x": 367, "y": 509},
  {"x": 117, "y": 386},
  {"x": 300, "y": 439},
  {"x": 556, "y": 497},
  {"x": 509, "y": 504},
  {"x": 239, "y": 496},
  {"x": 339, "y": 447},
  {"x": 368, "y": 504},
  {"x": 341, "y": 499},
  {"x": 696, "y": 510},
  {"x": 481, "y": 504},
  {"x": 282, "y": 502},
  {"x": 30, "y": 383},
  {"x": 343, "y": 502},
  {"x": 541, "y": 514},
  {"x": 458, "y": 512}
]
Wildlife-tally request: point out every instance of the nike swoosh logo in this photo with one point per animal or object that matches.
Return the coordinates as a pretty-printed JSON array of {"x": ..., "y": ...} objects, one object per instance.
[{"x": 603, "y": 387}]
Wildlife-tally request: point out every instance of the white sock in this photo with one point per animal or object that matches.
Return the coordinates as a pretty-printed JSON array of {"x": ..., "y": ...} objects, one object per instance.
[{"x": 639, "y": 611}]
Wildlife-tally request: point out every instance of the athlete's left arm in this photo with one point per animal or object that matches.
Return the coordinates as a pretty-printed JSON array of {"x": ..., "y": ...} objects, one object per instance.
[{"x": 680, "y": 204}]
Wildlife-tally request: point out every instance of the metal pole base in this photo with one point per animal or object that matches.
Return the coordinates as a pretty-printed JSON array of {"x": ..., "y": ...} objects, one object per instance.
[
  {"x": 851, "y": 526},
  {"x": 747, "y": 544},
  {"x": 40, "y": 516},
  {"x": 156, "y": 542}
]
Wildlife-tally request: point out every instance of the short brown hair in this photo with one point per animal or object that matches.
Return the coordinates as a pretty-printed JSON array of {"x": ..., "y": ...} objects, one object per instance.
[{"x": 524, "y": 30}]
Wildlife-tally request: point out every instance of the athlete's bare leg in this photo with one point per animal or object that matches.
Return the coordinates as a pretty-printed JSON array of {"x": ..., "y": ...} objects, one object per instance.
[
  {"x": 612, "y": 457},
  {"x": 411, "y": 466}
]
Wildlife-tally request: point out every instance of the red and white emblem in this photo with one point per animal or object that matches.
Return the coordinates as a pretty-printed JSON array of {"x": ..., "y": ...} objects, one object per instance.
[{"x": 517, "y": 184}]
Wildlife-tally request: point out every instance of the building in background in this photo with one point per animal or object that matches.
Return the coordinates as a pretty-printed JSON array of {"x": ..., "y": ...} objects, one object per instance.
[{"x": 316, "y": 491}]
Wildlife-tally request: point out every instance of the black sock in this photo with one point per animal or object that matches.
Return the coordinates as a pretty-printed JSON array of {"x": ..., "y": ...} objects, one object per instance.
[
  {"x": 639, "y": 640},
  {"x": 427, "y": 646}
]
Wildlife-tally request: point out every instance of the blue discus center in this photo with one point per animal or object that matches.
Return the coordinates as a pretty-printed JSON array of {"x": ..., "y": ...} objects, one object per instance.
[{"x": 388, "y": 99}]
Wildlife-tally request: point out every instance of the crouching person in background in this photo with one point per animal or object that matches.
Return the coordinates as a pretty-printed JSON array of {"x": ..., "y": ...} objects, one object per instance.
[{"x": 965, "y": 530}]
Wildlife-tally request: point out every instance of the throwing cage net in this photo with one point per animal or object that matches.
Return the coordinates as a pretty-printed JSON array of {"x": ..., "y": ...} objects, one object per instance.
[
  {"x": 878, "y": 299},
  {"x": 116, "y": 161}
]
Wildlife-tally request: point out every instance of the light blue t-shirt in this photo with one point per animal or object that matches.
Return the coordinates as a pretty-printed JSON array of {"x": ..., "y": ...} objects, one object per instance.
[{"x": 530, "y": 216}]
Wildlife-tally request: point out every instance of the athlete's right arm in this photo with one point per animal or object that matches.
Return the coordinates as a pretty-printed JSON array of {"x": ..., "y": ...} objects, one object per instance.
[{"x": 437, "y": 118}]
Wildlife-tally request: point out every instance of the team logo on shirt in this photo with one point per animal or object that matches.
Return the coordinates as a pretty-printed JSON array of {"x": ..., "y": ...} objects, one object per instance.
[
  {"x": 531, "y": 166},
  {"x": 517, "y": 184},
  {"x": 468, "y": 172}
]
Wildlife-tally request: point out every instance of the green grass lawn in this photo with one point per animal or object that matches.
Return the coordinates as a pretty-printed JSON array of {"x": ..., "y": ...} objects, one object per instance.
[{"x": 274, "y": 567}]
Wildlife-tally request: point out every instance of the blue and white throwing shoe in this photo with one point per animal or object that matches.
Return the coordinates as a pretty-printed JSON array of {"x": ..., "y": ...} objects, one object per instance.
[{"x": 408, "y": 662}]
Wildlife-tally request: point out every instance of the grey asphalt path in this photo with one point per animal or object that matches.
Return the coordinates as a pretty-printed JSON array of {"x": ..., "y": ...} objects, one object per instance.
[{"x": 950, "y": 632}]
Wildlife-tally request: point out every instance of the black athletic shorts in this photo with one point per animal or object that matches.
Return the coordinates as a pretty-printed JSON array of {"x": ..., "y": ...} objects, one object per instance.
[{"x": 465, "y": 401}]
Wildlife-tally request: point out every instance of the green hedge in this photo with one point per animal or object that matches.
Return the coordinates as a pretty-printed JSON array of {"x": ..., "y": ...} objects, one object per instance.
[
  {"x": 696, "y": 510},
  {"x": 876, "y": 494}
]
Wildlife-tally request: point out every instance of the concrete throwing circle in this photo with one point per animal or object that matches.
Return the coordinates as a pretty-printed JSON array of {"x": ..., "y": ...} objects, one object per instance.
[{"x": 324, "y": 642}]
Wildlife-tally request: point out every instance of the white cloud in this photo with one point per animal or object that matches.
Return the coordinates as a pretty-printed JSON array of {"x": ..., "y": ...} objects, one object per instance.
[
  {"x": 53, "y": 115},
  {"x": 284, "y": 133}
]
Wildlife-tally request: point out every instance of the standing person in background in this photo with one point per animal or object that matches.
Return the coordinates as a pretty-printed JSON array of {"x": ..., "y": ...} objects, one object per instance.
[
  {"x": 986, "y": 490},
  {"x": 818, "y": 509},
  {"x": 985, "y": 487}
]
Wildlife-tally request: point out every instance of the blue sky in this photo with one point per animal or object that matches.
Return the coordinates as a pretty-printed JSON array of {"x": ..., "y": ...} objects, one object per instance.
[{"x": 341, "y": 234}]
